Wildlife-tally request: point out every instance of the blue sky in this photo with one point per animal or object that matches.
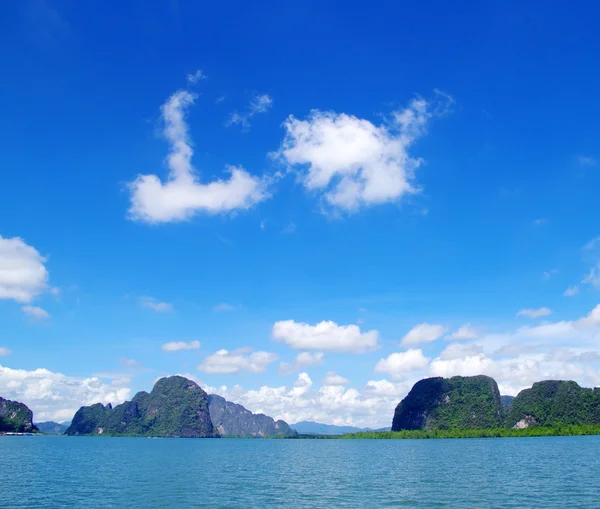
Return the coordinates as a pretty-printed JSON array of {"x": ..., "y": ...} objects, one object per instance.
[{"x": 357, "y": 174}]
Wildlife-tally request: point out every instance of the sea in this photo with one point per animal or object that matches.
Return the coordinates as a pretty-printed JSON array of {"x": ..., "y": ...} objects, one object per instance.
[{"x": 140, "y": 473}]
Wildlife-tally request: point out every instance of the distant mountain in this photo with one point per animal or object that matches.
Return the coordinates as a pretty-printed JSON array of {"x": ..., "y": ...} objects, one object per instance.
[
  {"x": 317, "y": 428},
  {"x": 471, "y": 402},
  {"x": 233, "y": 419},
  {"x": 15, "y": 417},
  {"x": 176, "y": 407},
  {"x": 53, "y": 428},
  {"x": 554, "y": 403},
  {"x": 506, "y": 402}
]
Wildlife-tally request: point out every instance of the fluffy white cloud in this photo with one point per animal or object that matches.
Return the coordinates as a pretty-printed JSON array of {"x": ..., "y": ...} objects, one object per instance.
[
  {"x": 556, "y": 350},
  {"x": 155, "y": 305},
  {"x": 353, "y": 161},
  {"x": 386, "y": 388},
  {"x": 423, "y": 333},
  {"x": 371, "y": 406},
  {"x": 325, "y": 336},
  {"x": 182, "y": 195},
  {"x": 175, "y": 346},
  {"x": 35, "y": 312},
  {"x": 23, "y": 275},
  {"x": 466, "y": 331},
  {"x": 226, "y": 362},
  {"x": 402, "y": 362},
  {"x": 54, "y": 396},
  {"x": 535, "y": 313},
  {"x": 4, "y": 351},
  {"x": 302, "y": 360},
  {"x": 195, "y": 77},
  {"x": 332, "y": 378},
  {"x": 260, "y": 103},
  {"x": 460, "y": 351}
]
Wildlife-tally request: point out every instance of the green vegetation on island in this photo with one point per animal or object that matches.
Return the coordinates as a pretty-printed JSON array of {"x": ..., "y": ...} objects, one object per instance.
[
  {"x": 15, "y": 417},
  {"x": 555, "y": 403},
  {"x": 176, "y": 407},
  {"x": 450, "y": 403},
  {"x": 539, "y": 431}
]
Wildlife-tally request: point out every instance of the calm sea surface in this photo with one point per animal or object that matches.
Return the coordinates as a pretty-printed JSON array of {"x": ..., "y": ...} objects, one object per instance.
[{"x": 138, "y": 473}]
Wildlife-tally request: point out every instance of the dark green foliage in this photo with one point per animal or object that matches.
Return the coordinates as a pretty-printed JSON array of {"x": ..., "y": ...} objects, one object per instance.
[
  {"x": 176, "y": 407},
  {"x": 450, "y": 403},
  {"x": 555, "y": 403},
  {"x": 475, "y": 433},
  {"x": 15, "y": 417},
  {"x": 231, "y": 419}
]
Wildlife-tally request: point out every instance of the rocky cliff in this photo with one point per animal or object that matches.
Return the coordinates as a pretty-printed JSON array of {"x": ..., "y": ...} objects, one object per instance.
[
  {"x": 233, "y": 419},
  {"x": 450, "y": 403},
  {"x": 176, "y": 407},
  {"x": 15, "y": 417},
  {"x": 554, "y": 403}
]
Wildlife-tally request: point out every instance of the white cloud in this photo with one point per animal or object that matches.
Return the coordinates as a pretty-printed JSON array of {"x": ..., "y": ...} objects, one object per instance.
[
  {"x": 326, "y": 335},
  {"x": 462, "y": 366},
  {"x": 535, "y": 313},
  {"x": 466, "y": 331},
  {"x": 54, "y": 396},
  {"x": 226, "y": 362},
  {"x": 154, "y": 305},
  {"x": 182, "y": 195},
  {"x": 302, "y": 360},
  {"x": 260, "y": 103},
  {"x": 35, "y": 312},
  {"x": 354, "y": 162},
  {"x": 423, "y": 333},
  {"x": 23, "y": 275},
  {"x": 402, "y": 362},
  {"x": 195, "y": 77},
  {"x": 4, "y": 351},
  {"x": 516, "y": 359},
  {"x": 175, "y": 346},
  {"x": 592, "y": 277},
  {"x": 386, "y": 388},
  {"x": 571, "y": 291},
  {"x": 332, "y": 378},
  {"x": 371, "y": 406},
  {"x": 460, "y": 351}
]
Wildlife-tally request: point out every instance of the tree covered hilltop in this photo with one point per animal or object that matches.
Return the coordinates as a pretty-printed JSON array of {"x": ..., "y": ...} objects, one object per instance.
[
  {"x": 176, "y": 407},
  {"x": 474, "y": 403},
  {"x": 15, "y": 417}
]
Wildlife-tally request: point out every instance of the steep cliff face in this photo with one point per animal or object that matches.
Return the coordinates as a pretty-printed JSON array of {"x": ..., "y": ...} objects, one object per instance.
[
  {"x": 15, "y": 417},
  {"x": 554, "y": 403},
  {"x": 450, "y": 403},
  {"x": 233, "y": 419},
  {"x": 176, "y": 407}
]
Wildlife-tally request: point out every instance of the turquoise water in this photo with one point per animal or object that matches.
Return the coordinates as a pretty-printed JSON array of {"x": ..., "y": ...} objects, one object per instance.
[{"x": 137, "y": 473}]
